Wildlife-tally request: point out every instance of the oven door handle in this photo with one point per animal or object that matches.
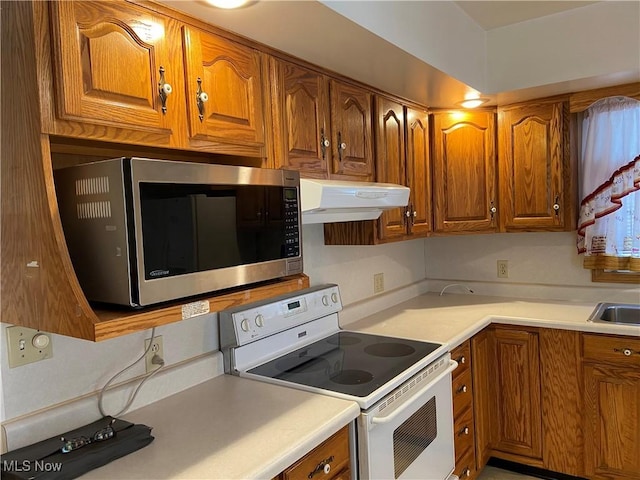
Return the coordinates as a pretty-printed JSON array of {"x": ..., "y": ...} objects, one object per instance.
[{"x": 389, "y": 418}]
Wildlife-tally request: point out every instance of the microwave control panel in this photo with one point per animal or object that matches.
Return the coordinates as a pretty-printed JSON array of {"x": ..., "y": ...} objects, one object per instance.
[{"x": 291, "y": 223}]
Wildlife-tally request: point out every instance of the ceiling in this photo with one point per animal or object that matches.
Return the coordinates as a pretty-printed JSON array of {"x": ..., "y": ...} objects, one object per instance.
[{"x": 494, "y": 14}]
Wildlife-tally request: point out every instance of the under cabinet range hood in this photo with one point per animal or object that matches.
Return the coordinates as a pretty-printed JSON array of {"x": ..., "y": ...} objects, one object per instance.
[{"x": 327, "y": 201}]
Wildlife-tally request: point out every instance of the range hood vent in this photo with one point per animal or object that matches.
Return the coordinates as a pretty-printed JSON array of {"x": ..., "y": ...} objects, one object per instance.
[{"x": 327, "y": 201}]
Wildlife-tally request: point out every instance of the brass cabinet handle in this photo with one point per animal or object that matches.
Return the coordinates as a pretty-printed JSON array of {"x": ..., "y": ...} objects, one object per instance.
[
  {"x": 462, "y": 389},
  {"x": 464, "y": 431},
  {"x": 462, "y": 359},
  {"x": 201, "y": 99},
  {"x": 164, "y": 90}
]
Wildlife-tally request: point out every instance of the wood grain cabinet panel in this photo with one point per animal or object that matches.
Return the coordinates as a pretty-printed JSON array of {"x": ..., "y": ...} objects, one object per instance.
[
  {"x": 611, "y": 409},
  {"x": 534, "y": 194},
  {"x": 484, "y": 399},
  {"x": 518, "y": 388},
  {"x": 390, "y": 162},
  {"x": 333, "y": 452},
  {"x": 231, "y": 76},
  {"x": 108, "y": 59},
  {"x": 351, "y": 131},
  {"x": 464, "y": 172},
  {"x": 301, "y": 119},
  {"x": 418, "y": 171}
]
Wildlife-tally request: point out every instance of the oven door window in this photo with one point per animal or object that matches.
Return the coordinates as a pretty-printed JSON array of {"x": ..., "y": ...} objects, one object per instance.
[
  {"x": 414, "y": 436},
  {"x": 192, "y": 228}
]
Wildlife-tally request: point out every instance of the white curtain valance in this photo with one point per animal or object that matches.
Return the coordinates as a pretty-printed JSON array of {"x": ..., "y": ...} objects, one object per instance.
[{"x": 609, "y": 221}]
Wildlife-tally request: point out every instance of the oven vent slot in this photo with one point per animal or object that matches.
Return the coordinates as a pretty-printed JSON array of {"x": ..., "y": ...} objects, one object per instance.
[{"x": 410, "y": 384}]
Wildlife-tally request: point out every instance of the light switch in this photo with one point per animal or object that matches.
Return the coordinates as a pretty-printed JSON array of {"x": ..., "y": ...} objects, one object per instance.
[{"x": 26, "y": 345}]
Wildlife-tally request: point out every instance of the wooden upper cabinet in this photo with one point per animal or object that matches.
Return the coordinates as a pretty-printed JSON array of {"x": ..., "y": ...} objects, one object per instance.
[
  {"x": 531, "y": 146},
  {"x": 419, "y": 171},
  {"x": 390, "y": 162},
  {"x": 351, "y": 131},
  {"x": 224, "y": 90},
  {"x": 464, "y": 173},
  {"x": 108, "y": 60},
  {"x": 301, "y": 119},
  {"x": 519, "y": 413}
]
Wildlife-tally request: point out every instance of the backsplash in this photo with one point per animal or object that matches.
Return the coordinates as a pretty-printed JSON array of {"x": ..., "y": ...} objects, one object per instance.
[{"x": 541, "y": 265}]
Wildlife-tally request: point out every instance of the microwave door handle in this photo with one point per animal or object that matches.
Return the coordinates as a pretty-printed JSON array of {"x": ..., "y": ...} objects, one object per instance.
[{"x": 389, "y": 418}]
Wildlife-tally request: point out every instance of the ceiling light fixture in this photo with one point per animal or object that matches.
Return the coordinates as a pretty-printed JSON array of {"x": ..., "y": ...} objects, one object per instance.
[
  {"x": 473, "y": 102},
  {"x": 227, "y": 4}
]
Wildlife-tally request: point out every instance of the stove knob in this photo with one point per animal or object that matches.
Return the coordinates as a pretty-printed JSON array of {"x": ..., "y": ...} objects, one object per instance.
[
  {"x": 244, "y": 325},
  {"x": 259, "y": 320},
  {"x": 334, "y": 297},
  {"x": 325, "y": 300}
]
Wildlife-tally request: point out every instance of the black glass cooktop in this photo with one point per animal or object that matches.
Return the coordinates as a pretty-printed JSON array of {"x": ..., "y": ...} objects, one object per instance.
[{"x": 347, "y": 362}]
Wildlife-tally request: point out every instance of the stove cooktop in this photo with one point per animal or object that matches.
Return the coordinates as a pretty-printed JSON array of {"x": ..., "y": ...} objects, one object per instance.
[{"x": 352, "y": 363}]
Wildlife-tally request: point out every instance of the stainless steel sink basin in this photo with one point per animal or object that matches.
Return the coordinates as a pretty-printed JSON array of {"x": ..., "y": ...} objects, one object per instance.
[{"x": 620, "y": 313}]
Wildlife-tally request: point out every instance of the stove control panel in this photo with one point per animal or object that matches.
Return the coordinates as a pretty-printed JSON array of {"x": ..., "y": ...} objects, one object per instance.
[{"x": 242, "y": 325}]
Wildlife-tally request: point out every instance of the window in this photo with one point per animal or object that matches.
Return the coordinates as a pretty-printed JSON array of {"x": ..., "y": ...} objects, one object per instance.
[{"x": 609, "y": 223}]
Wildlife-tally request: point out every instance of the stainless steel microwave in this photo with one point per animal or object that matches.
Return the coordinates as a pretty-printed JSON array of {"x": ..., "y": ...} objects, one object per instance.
[{"x": 142, "y": 231}]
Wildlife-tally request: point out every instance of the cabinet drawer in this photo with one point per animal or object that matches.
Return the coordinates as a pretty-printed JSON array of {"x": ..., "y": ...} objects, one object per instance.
[
  {"x": 462, "y": 393},
  {"x": 463, "y": 434},
  {"x": 466, "y": 468},
  {"x": 603, "y": 348},
  {"x": 462, "y": 355},
  {"x": 333, "y": 452}
]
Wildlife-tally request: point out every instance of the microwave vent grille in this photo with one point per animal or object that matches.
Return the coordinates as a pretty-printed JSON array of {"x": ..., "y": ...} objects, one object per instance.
[
  {"x": 92, "y": 186},
  {"x": 91, "y": 210}
]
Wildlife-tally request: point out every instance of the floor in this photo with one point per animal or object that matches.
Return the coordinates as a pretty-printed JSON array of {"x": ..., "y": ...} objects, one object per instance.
[{"x": 493, "y": 473}]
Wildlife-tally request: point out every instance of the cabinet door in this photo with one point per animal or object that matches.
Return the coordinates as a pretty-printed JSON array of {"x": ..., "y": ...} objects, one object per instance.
[
  {"x": 531, "y": 143},
  {"x": 301, "y": 119},
  {"x": 612, "y": 422},
  {"x": 464, "y": 171},
  {"x": 351, "y": 131},
  {"x": 390, "y": 162},
  {"x": 518, "y": 392},
  {"x": 483, "y": 355},
  {"x": 230, "y": 76},
  {"x": 107, "y": 59},
  {"x": 418, "y": 166}
]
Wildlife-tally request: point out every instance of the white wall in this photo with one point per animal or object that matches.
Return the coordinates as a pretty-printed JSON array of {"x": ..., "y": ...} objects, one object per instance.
[
  {"x": 596, "y": 40},
  {"x": 79, "y": 367},
  {"x": 541, "y": 265}
]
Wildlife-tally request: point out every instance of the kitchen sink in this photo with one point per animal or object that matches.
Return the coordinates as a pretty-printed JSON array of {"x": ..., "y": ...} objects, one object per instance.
[{"x": 620, "y": 313}]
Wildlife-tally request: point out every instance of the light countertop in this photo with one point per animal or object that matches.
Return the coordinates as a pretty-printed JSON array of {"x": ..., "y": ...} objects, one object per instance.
[
  {"x": 453, "y": 318},
  {"x": 234, "y": 428},
  {"x": 229, "y": 428}
]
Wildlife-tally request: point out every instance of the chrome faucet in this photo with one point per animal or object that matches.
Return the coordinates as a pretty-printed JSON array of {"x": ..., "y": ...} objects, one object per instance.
[{"x": 454, "y": 285}]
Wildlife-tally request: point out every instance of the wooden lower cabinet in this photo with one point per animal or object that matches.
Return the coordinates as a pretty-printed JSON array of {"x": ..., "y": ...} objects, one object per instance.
[
  {"x": 611, "y": 367},
  {"x": 527, "y": 399},
  {"x": 328, "y": 461},
  {"x": 463, "y": 423},
  {"x": 519, "y": 414}
]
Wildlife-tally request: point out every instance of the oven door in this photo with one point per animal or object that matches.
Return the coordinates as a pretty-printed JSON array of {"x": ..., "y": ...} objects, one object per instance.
[{"x": 413, "y": 438}]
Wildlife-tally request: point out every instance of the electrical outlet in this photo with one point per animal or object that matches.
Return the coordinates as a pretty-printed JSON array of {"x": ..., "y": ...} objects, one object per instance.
[
  {"x": 26, "y": 345},
  {"x": 503, "y": 268},
  {"x": 378, "y": 283},
  {"x": 156, "y": 349}
]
